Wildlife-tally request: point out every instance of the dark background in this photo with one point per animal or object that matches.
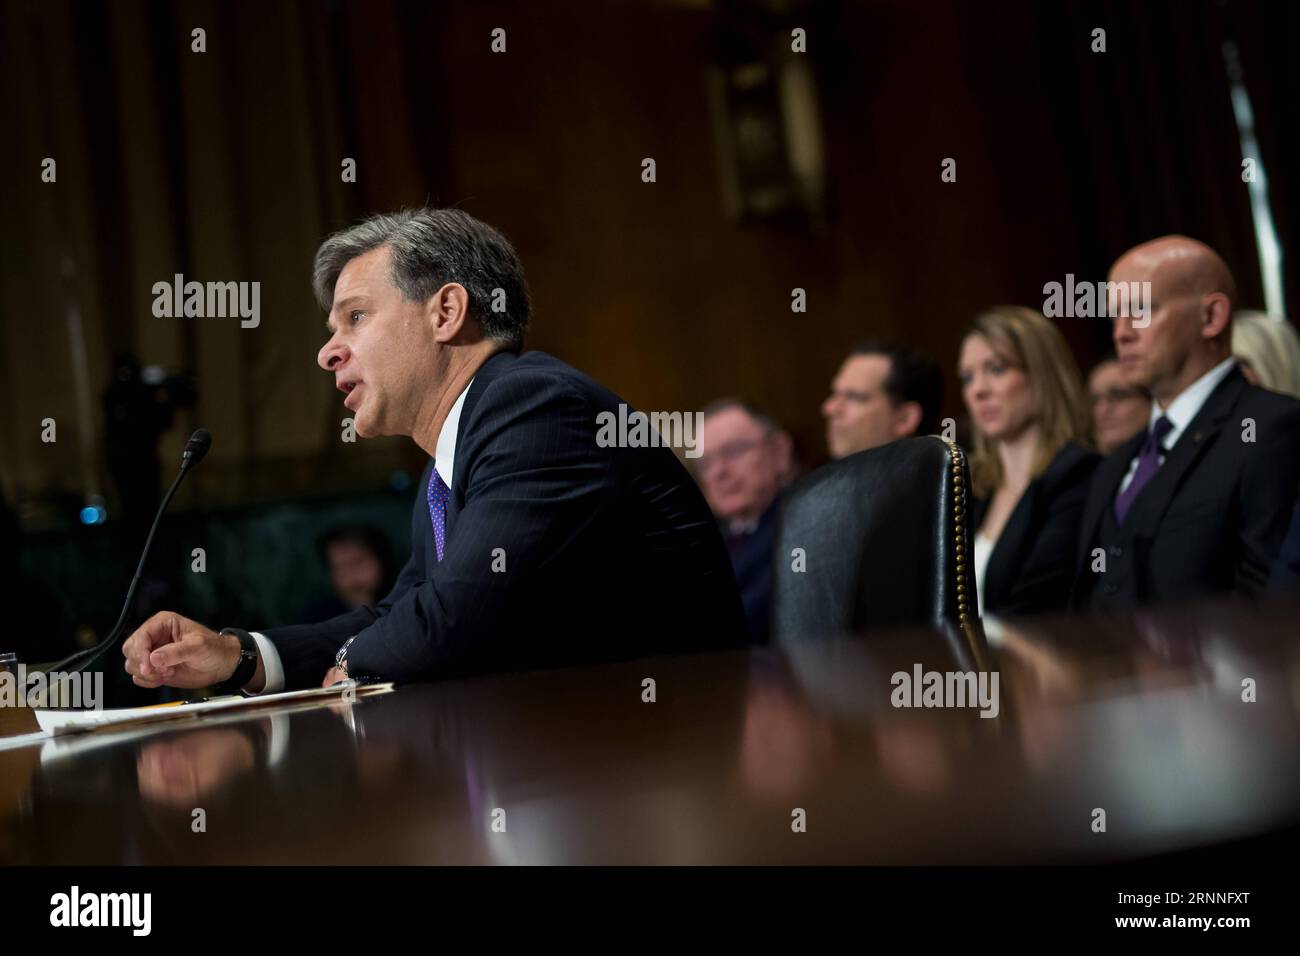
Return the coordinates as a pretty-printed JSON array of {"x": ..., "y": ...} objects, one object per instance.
[{"x": 225, "y": 165}]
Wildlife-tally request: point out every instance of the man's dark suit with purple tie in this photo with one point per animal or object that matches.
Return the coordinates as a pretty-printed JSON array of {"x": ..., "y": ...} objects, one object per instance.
[
  {"x": 555, "y": 550},
  {"x": 1209, "y": 520}
]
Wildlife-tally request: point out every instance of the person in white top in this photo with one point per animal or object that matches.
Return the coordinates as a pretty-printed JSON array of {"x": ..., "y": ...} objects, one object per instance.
[{"x": 1031, "y": 461}]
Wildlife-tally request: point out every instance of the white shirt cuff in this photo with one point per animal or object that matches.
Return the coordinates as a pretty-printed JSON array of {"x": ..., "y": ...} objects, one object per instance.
[{"x": 271, "y": 666}]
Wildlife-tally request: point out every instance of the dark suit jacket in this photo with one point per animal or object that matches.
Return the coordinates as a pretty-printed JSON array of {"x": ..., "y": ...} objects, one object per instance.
[
  {"x": 1212, "y": 519},
  {"x": 751, "y": 560},
  {"x": 1286, "y": 570},
  {"x": 1032, "y": 565},
  {"x": 609, "y": 552}
]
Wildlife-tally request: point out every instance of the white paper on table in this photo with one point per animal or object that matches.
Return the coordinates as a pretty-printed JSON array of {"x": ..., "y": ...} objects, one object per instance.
[{"x": 59, "y": 722}]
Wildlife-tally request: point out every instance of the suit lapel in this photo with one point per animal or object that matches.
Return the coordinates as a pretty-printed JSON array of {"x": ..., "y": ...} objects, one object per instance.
[
  {"x": 1026, "y": 519},
  {"x": 1149, "y": 508},
  {"x": 497, "y": 363},
  {"x": 979, "y": 507},
  {"x": 1101, "y": 495},
  {"x": 1010, "y": 543}
]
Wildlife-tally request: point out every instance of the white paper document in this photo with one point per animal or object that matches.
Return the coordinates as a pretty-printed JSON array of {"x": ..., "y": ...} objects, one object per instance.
[{"x": 59, "y": 722}]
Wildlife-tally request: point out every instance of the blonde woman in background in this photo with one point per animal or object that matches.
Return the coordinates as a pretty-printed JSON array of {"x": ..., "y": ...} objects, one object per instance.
[
  {"x": 1268, "y": 351},
  {"x": 1032, "y": 459}
]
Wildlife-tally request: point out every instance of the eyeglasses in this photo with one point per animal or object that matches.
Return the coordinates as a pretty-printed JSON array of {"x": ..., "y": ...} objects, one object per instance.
[{"x": 729, "y": 453}]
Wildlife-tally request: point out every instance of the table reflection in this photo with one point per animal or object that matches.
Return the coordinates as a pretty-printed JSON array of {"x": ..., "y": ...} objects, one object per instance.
[{"x": 1148, "y": 716}]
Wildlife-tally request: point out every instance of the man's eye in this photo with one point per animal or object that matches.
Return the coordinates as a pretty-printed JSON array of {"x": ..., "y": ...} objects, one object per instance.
[{"x": 356, "y": 317}]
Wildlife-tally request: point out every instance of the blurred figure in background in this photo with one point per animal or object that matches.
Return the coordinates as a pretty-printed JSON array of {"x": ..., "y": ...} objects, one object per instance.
[
  {"x": 37, "y": 624},
  {"x": 747, "y": 461},
  {"x": 1119, "y": 410},
  {"x": 359, "y": 560},
  {"x": 1031, "y": 464},
  {"x": 882, "y": 392},
  {"x": 1267, "y": 351},
  {"x": 140, "y": 405}
]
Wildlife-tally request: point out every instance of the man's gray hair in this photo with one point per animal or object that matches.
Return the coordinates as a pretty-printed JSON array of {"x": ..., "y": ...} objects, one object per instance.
[
  {"x": 430, "y": 248},
  {"x": 761, "y": 417}
]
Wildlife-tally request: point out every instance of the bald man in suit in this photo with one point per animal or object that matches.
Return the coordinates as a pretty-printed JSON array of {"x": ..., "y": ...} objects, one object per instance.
[{"x": 1198, "y": 502}]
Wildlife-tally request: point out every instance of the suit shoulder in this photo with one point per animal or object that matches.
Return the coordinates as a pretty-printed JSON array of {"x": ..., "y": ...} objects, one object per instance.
[
  {"x": 1267, "y": 405},
  {"x": 1073, "y": 464},
  {"x": 540, "y": 370},
  {"x": 539, "y": 375}
]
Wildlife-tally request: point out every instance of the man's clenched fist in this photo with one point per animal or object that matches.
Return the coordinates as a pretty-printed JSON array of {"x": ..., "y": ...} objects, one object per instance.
[{"x": 172, "y": 650}]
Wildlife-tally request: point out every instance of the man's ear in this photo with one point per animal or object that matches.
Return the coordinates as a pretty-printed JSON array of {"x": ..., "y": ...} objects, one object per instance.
[
  {"x": 448, "y": 312},
  {"x": 1216, "y": 316},
  {"x": 907, "y": 419}
]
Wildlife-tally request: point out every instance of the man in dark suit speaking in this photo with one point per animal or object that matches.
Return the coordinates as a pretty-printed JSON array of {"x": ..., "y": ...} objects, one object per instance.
[{"x": 531, "y": 544}]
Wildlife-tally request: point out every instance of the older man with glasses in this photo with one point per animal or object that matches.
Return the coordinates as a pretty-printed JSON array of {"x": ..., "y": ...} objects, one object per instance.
[
  {"x": 747, "y": 461},
  {"x": 1119, "y": 410}
]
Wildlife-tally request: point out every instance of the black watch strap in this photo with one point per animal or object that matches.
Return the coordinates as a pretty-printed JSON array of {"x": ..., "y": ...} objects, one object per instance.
[{"x": 247, "y": 665}]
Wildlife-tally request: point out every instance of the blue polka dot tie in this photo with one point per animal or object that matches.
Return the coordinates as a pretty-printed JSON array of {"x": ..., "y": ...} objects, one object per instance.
[{"x": 438, "y": 495}]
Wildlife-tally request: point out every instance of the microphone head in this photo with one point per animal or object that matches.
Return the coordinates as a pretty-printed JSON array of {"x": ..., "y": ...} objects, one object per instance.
[{"x": 197, "y": 447}]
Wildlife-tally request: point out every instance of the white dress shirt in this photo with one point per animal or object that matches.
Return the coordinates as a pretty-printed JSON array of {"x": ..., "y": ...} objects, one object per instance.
[
  {"x": 1180, "y": 413},
  {"x": 444, "y": 453}
]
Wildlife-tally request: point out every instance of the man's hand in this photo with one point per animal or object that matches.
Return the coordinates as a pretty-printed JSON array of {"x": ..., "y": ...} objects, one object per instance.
[
  {"x": 334, "y": 675},
  {"x": 175, "y": 651}
]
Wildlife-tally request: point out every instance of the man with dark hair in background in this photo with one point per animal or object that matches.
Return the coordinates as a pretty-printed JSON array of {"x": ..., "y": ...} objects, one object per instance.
[
  {"x": 882, "y": 392},
  {"x": 747, "y": 460},
  {"x": 359, "y": 561}
]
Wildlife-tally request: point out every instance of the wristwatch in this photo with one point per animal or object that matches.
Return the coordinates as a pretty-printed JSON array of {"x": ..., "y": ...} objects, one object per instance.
[
  {"x": 247, "y": 665},
  {"x": 341, "y": 658}
]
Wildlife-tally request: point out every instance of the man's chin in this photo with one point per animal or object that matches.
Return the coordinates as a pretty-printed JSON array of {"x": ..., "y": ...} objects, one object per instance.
[{"x": 1134, "y": 373}]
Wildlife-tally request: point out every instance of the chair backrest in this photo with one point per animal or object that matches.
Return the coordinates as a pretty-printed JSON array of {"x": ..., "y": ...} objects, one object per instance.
[{"x": 883, "y": 542}]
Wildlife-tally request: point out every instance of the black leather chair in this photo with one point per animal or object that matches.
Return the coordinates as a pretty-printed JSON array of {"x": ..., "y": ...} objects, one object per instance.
[{"x": 884, "y": 543}]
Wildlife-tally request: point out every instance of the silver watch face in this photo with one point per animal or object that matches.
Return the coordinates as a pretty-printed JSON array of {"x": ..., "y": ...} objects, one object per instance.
[{"x": 341, "y": 659}]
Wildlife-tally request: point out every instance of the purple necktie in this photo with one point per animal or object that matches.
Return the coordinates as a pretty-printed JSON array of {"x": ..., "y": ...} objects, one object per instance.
[
  {"x": 1148, "y": 465},
  {"x": 438, "y": 495}
]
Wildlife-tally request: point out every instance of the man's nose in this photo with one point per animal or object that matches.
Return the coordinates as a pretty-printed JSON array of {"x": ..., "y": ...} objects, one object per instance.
[
  {"x": 830, "y": 406},
  {"x": 1122, "y": 331},
  {"x": 332, "y": 353}
]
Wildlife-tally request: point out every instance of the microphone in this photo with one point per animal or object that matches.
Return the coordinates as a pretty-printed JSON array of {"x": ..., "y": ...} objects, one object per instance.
[{"x": 195, "y": 449}]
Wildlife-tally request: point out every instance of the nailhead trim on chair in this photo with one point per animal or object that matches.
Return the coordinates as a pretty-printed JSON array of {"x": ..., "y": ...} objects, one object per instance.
[{"x": 959, "y": 522}]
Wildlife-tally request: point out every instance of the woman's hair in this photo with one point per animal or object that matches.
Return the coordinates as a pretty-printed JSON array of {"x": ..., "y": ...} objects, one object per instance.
[
  {"x": 1024, "y": 339},
  {"x": 1272, "y": 348}
]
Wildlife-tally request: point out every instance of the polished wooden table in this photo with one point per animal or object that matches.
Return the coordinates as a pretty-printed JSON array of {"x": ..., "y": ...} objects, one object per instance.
[{"x": 1142, "y": 717}]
